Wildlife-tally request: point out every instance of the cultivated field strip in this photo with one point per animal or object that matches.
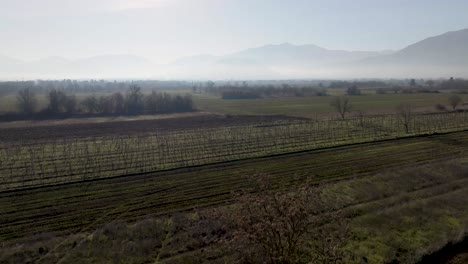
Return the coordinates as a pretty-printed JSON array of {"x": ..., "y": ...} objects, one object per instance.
[
  {"x": 45, "y": 131},
  {"x": 50, "y": 161},
  {"x": 86, "y": 205}
]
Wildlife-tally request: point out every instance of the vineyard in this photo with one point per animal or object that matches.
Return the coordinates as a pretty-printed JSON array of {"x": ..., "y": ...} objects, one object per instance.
[
  {"x": 83, "y": 206},
  {"x": 51, "y": 158}
]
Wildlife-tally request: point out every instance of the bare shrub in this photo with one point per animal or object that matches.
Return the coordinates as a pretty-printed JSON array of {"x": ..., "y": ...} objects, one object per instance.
[
  {"x": 286, "y": 227},
  {"x": 440, "y": 107},
  {"x": 361, "y": 117}
]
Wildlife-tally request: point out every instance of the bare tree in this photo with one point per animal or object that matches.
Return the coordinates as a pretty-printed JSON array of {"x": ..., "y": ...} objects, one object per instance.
[
  {"x": 54, "y": 101},
  {"x": 134, "y": 100},
  {"x": 405, "y": 112},
  {"x": 287, "y": 227},
  {"x": 69, "y": 104},
  {"x": 58, "y": 101},
  {"x": 90, "y": 104},
  {"x": 26, "y": 101},
  {"x": 455, "y": 101},
  {"x": 118, "y": 102},
  {"x": 153, "y": 103},
  {"x": 105, "y": 105},
  {"x": 342, "y": 105}
]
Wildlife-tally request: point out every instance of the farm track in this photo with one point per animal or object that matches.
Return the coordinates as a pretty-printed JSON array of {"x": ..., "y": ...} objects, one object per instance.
[{"x": 69, "y": 208}]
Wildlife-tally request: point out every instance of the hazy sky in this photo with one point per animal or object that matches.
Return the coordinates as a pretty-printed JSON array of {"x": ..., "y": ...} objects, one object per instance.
[{"x": 163, "y": 30}]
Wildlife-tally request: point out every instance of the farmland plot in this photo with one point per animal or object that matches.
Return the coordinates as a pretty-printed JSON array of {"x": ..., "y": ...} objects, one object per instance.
[{"x": 63, "y": 159}]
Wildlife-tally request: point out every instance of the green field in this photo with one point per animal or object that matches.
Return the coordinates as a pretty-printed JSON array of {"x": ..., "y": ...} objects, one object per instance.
[{"x": 311, "y": 106}]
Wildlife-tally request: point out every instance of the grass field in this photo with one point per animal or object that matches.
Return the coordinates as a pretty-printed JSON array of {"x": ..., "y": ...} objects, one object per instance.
[{"x": 312, "y": 106}]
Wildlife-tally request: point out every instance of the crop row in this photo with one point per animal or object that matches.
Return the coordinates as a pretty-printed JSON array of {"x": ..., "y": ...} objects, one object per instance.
[{"x": 70, "y": 160}]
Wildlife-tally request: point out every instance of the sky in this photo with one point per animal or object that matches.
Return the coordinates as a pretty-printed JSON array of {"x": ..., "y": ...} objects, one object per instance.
[{"x": 165, "y": 30}]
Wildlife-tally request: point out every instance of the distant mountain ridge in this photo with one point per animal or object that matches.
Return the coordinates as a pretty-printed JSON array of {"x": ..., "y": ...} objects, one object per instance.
[
  {"x": 444, "y": 55},
  {"x": 306, "y": 54},
  {"x": 270, "y": 61},
  {"x": 439, "y": 56},
  {"x": 450, "y": 48}
]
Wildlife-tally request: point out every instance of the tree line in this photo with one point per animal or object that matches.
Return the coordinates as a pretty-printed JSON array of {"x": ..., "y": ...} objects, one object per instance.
[
  {"x": 264, "y": 91},
  {"x": 132, "y": 102},
  {"x": 89, "y": 86}
]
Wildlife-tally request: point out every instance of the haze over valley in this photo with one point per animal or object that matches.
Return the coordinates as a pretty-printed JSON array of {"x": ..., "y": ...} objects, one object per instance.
[
  {"x": 440, "y": 56},
  {"x": 222, "y": 40}
]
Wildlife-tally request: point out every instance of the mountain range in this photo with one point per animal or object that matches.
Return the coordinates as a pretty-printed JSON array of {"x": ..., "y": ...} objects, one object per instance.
[{"x": 439, "y": 56}]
